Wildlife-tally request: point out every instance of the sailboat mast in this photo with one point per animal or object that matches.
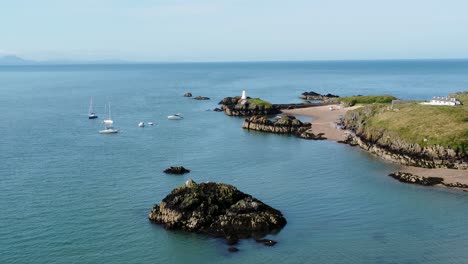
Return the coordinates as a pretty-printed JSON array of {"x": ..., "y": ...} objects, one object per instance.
[{"x": 90, "y": 106}]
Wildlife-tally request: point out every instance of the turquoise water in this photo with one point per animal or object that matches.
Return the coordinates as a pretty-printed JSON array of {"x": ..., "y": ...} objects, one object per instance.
[{"x": 71, "y": 195}]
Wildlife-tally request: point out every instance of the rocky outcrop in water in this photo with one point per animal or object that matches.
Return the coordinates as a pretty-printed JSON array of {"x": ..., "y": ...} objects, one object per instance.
[
  {"x": 187, "y": 95},
  {"x": 234, "y": 106},
  {"x": 415, "y": 179},
  {"x": 201, "y": 98},
  {"x": 216, "y": 209},
  {"x": 326, "y": 98},
  {"x": 176, "y": 170},
  {"x": 390, "y": 146},
  {"x": 284, "y": 125}
]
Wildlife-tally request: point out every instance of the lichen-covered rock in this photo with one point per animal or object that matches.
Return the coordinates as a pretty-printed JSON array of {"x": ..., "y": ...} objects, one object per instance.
[
  {"x": 176, "y": 170},
  {"x": 216, "y": 209},
  {"x": 415, "y": 179}
]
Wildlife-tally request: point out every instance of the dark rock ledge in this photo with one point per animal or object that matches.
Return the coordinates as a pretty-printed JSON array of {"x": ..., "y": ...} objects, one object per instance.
[
  {"x": 176, "y": 170},
  {"x": 319, "y": 97},
  {"x": 415, "y": 179},
  {"x": 426, "y": 181},
  {"x": 188, "y": 95},
  {"x": 284, "y": 125},
  {"x": 201, "y": 98},
  {"x": 217, "y": 209}
]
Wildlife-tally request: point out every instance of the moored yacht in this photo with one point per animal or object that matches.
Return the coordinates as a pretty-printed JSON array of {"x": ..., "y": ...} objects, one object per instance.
[
  {"x": 108, "y": 125},
  {"x": 175, "y": 117}
]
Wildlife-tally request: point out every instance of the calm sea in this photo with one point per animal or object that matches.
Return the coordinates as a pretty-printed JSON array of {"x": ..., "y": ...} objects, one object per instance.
[{"x": 71, "y": 195}]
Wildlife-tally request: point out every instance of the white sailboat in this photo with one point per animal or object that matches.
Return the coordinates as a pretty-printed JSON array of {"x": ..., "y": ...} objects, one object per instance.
[
  {"x": 108, "y": 125},
  {"x": 91, "y": 114}
]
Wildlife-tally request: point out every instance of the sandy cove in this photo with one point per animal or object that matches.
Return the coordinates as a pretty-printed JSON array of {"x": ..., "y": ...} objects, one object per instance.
[{"x": 324, "y": 121}]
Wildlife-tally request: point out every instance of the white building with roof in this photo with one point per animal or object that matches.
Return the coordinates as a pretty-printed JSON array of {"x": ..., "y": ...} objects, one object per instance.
[{"x": 442, "y": 100}]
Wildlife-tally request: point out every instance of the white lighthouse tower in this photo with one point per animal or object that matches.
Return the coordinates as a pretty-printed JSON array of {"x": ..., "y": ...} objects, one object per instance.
[{"x": 244, "y": 95}]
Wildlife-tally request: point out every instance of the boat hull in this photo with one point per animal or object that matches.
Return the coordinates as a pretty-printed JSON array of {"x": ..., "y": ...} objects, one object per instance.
[
  {"x": 108, "y": 131},
  {"x": 92, "y": 117},
  {"x": 174, "y": 117}
]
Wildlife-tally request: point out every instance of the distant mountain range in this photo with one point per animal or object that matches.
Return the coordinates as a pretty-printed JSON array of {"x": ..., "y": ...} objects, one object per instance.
[{"x": 15, "y": 60}]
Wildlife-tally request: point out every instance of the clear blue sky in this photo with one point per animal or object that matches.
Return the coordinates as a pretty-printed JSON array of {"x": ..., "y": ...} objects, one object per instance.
[{"x": 236, "y": 30}]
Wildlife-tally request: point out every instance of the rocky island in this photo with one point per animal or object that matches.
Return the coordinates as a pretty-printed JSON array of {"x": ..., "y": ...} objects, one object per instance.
[
  {"x": 326, "y": 98},
  {"x": 237, "y": 106},
  {"x": 216, "y": 209}
]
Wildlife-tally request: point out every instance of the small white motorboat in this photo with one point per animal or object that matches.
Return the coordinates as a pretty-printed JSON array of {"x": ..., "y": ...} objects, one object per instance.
[
  {"x": 175, "y": 117},
  {"x": 141, "y": 124},
  {"x": 150, "y": 123}
]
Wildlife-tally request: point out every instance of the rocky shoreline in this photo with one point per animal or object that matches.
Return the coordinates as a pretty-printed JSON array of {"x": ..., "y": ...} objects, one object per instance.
[
  {"x": 218, "y": 210},
  {"x": 394, "y": 149},
  {"x": 425, "y": 181},
  {"x": 284, "y": 125}
]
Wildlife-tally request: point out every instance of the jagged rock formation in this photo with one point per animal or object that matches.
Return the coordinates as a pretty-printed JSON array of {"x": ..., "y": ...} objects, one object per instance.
[
  {"x": 201, "y": 98},
  {"x": 326, "y": 98},
  {"x": 216, "y": 209},
  {"x": 187, "y": 95},
  {"x": 176, "y": 170},
  {"x": 234, "y": 106},
  {"x": 415, "y": 179},
  {"x": 390, "y": 146},
  {"x": 284, "y": 125}
]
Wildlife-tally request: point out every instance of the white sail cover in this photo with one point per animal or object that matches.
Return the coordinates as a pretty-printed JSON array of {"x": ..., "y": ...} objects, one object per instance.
[{"x": 108, "y": 122}]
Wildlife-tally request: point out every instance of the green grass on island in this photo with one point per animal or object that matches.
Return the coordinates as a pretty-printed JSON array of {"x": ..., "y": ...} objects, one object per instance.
[
  {"x": 259, "y": 102},
  {"x": 368, "y": 99},
  {"x": 425, "y": 125}
]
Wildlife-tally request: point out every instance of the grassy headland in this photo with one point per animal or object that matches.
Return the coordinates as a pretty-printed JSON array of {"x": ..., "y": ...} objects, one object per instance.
[
  {"x": 412, "y": 122},
  {"x": 368, "y": 99}
]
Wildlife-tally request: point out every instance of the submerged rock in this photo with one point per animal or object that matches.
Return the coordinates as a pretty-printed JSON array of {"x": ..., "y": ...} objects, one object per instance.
[
  {"x": 216, "y": 209},
  {"x": 233, "y": 249},
  {"x": 415, "y": 179},
  {"x": 187, "y": 95},
  {"x": 266, "y": 242},
  {"x": 201, "y": 98},
  {"x": 176, "y": 170}
]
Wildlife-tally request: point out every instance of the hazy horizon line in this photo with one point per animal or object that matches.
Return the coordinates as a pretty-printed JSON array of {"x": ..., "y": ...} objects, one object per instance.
[{"x": 25, "y": 62}]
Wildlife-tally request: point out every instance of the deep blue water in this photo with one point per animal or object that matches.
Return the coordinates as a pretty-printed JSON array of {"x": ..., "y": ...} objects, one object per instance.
[{"x": 71, "y": 195}]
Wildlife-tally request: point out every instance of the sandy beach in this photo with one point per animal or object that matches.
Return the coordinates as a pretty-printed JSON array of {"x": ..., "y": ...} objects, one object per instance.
[{"x": 324, "y": 121}]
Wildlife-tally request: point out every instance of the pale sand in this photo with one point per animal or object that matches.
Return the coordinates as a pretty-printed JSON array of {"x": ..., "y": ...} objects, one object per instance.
[
  {"x": 324, "y": 122},
  {"x": 324, "y": 119}
]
